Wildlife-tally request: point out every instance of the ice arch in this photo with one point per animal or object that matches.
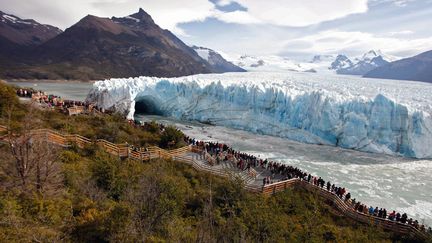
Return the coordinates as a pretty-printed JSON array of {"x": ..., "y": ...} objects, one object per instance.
[{"x": 148, "y": 105}]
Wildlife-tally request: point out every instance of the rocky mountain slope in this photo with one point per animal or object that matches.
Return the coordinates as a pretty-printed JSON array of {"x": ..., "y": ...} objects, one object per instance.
[
  {"x": 98, "y": 48},
  {"x": 417, "y": 68},
  {"x": 18, "y": 36},
  {"x": 25, "y": 31}
]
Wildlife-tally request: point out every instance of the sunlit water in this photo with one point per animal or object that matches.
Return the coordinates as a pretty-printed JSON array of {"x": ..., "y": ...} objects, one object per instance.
[{"x": 378, "y": 180}]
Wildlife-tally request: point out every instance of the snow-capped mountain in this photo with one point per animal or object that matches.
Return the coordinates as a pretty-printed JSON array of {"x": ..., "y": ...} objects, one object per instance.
[
  {"x": 322, "y": 58},
  {"x": 273, "y": 63},
  {"x": 341, "y": 62},
  {"x": 328, "y": 63},
  {"x": 216, "y": 61},
  {"x": 25, "y": 31},
  {"x": 360, "y": 66}
]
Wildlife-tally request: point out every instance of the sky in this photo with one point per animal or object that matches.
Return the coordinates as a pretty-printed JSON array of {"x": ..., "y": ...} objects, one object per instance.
[{"x": 289, "y": 28}]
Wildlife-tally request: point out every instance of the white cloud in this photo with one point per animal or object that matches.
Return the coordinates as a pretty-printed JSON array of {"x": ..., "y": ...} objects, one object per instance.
[
  {"x": 224, "y": 2},
  {"x": 401, "y": 33},
  {"x": 398, "y": 3},
  {"x": 300, "y": 13},
  {"x": 237, "y": 17},
  {"x": 168, "y": 13},
  {"x": 356, "y": 43}
]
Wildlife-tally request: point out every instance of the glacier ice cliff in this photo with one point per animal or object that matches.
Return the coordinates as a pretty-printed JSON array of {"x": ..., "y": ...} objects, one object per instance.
[{"x": 369, "y": 115}]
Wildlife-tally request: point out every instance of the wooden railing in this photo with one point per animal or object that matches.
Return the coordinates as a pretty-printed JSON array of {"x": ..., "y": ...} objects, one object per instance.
[
  {"x": 75, "y": 110},
  {"x": 141, "y": 154},
  {"x": 120, "y": 150},
  {"x": 344, "y": 207}
]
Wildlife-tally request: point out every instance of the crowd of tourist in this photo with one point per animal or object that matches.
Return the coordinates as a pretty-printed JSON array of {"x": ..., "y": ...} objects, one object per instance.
[
  {"x": 55, "y": 101},
  {"x": 285, "y": 172}
]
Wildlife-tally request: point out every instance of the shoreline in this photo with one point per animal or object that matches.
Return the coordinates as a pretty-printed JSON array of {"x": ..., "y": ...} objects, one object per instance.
[{"x": 48, "y": 81}]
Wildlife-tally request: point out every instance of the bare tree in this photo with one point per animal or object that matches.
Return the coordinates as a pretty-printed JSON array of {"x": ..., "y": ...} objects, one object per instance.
[
  {"x": 34, "y": 160},
  {"x": 35, "y": 163}
]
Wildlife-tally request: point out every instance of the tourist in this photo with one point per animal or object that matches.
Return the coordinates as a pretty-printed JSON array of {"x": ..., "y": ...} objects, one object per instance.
[
  {"x": 371, "y": 210},
  {"x": 347, "y": 197},
  {"x": 410, "y": 221},
  {"x": 416, "y": 224},
  {"x": 404, "y": 218},
  {"x": 392, "y": 216},
  {"x": 360, "y": 207},
  {"x": 398, "y": 217},
  {"x": 375, "y": 212},
  {"x": 365, "y": 210}
]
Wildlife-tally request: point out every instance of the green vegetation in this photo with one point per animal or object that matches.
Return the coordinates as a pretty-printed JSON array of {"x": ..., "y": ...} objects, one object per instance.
[{"x": 90, "y": 196}]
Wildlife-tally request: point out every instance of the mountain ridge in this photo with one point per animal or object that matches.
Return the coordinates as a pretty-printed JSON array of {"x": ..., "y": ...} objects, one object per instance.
[
  {"x": 360, "y": 66},
  {"x": 417, "y": 68},
  {"x": 218, "y": 63},
  {"x": 99, "y": 48}
]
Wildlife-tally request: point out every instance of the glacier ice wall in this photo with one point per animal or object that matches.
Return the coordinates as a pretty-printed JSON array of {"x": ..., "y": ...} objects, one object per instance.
[{"x": 306, "y": 108}]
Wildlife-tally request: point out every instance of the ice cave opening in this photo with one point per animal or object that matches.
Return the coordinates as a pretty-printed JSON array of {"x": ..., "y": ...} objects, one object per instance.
[{"x": 147, "y": 105}]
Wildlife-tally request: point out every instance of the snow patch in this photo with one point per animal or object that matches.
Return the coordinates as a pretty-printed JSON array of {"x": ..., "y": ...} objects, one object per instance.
[
  {"x": 132, "y": 18},
  {"x": 10, "y": 18},
  {"x": 203, "y": 53}
]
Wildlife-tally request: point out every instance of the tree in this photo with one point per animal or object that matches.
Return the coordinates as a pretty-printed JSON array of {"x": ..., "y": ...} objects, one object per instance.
[
  {"x": 34, "y": 161},
  {"x": 171, "y": 137}
]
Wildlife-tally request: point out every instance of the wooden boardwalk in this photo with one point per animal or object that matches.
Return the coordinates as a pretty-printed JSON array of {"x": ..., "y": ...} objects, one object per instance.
[{"x": 202, "y": 161}]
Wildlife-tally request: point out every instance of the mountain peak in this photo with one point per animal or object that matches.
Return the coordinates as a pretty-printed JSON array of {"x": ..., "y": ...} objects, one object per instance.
[
  {"x": 102, "y": 24},
  {"x": 371, "y": 54},
  {"x": 25, "y": 31},
  {"x": 143, "y": 16}
]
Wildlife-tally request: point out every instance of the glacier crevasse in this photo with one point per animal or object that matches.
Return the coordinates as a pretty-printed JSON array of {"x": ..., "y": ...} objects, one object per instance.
[{"x": 298, "y": 107}]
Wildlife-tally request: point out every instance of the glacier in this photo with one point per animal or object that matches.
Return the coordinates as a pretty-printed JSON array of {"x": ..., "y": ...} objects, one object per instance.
[{"x": 370, "y": 115}]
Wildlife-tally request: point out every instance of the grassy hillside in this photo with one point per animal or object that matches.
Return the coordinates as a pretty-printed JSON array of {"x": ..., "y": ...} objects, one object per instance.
[{"x": 90, "y": 196}]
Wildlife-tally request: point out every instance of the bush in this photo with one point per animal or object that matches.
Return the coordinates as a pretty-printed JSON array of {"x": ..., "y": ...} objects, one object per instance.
[{"x": 171, "y": 138}]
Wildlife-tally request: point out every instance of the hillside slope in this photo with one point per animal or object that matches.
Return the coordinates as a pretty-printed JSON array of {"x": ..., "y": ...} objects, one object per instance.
[{"x": 417, "y": 68}]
